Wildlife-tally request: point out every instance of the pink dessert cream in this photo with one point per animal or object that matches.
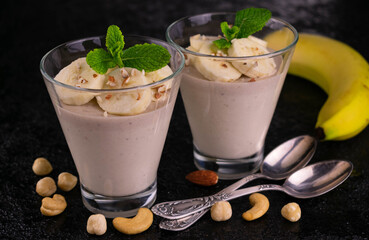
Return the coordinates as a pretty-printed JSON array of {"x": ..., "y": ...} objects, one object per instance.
[
  {"x": 115, "y": 125},
  {"x": 230, "y": 96}
]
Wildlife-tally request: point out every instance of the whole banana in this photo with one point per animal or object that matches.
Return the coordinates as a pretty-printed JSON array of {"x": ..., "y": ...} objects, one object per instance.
[{"x": 342, "y": 73}]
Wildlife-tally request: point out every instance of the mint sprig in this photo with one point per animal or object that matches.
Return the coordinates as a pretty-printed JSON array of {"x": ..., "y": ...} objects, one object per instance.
[
  {"x": 247, "y": 22},
  {"x": 148, "y": 57}
]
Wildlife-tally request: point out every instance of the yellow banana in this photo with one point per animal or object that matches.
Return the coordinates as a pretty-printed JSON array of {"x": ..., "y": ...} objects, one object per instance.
[{"x": 341, "y": 72}]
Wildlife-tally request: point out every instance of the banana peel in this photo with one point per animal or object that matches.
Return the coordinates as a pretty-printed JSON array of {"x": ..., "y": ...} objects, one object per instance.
[{"x": 341, "y": 72}]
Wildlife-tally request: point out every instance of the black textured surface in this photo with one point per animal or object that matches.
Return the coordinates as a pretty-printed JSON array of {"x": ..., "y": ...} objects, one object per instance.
[{"x": 29, "y": 127}]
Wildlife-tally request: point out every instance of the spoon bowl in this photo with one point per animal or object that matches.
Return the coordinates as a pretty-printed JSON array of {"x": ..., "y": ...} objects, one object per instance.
[
  {"x": 288, "y": 157},
  {"x": 317, "y": 179}
]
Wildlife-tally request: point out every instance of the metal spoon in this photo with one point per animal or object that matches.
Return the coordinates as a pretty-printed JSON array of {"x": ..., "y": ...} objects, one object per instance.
[
  {"x": 308, "y": 182},
  {"x": 278, "y": 164},
  {"x": 281, "y": 162}
]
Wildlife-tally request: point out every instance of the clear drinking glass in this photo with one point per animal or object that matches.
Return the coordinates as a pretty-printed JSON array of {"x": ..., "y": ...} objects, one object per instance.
[
  {"x": 229, "y": 120},
  {"x": 116, "y": 157}
]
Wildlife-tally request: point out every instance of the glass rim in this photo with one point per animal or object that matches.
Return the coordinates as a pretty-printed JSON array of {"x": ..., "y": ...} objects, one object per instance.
[
  {"x": 271, "y": 54},
  {"x": 54, "y": 81}
]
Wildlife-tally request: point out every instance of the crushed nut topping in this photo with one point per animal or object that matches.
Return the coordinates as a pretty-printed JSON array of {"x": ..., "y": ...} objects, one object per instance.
[
  {"x": 107, "y": 97},
  {"x": 81, "y": 80},
  {"x": 224, "y": 65},
  {"x": 94, "y": 75},
  {"x": 125, "y": 80},
  {"x": 162, "y": 89},
  {"x": 157, "y": 95},
  {"x": 111, "y": 81},
  {"x": 124, "y": 73}
]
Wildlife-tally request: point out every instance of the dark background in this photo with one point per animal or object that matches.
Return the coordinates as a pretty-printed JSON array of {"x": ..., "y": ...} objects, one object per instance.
[{"x": 29, "y": 127}]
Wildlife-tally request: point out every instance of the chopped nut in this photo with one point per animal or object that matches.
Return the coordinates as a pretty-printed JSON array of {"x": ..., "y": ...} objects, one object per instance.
[
  {"x": 224, "y": 65},
  {"x": 125, "y": 80},
  {"x": 94, "y": 75},
  {"x": 107, "y": 97},
  {"x": 157, "y": 95},
  {"x": 111, "y": 79},
  {"x": 124, "y": 73}
]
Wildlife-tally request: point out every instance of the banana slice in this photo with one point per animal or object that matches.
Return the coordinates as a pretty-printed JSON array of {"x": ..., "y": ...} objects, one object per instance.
[
  {"x": 214, "y": 69},
  {"x": 78, "y": 74},
  {"x": 160, "y": 91},
  {"x": 252, "y": 68},
  {"x": 196, "y": 41},
  {"x": 129, "y": 103}
]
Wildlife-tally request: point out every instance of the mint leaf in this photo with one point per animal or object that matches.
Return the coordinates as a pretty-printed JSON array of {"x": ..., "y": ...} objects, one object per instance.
[
  {"x": 114, "y": 40},
  {"x": 229, "y": 33},
  {"x": 115, "y": 43},
  {"x": 100, "y": 60},
  {"x": 247, "y": 22},
  {"x": 222, "y": 43},
  {"x": 148, "y": 57},
  {"x": 251, "y": 20}
]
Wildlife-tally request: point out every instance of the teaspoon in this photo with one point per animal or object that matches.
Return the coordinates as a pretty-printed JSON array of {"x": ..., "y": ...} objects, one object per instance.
[
  {"x": 308, "y": 182},
  {"x": 278, "y": 164}
]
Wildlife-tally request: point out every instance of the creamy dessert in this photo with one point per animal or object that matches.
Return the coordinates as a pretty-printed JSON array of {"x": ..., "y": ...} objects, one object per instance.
[
  {"x": 116, "y": 137},
  {"x": 230, "y": 102}
]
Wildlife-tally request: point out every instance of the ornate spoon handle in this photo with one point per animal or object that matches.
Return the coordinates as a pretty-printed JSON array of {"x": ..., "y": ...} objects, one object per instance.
[
  {"x": 182, "y": 223},
  {"x": 185, "y": 222},
  {"x": 183, "y": 208}
]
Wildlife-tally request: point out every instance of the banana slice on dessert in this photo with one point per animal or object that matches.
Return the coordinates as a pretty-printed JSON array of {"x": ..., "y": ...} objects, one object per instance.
[
  {"x": 253, "y": 68},
  {"x": 128, "y": 103},
  {"x": 160, "y": 91},
  {"x": 196, "y": 41},
  {"x": 215, "y": 69},
  {"x": 78, "y": 74}
]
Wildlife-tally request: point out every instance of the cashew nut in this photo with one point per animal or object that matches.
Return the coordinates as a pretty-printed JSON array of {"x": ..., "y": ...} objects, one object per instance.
[
  {"x": 96, "y": 224},
  {"x": 53, "y": 206},
  {"x": 41, "y": 166},
  {"x": 66, "y": 181},
  {"x": 291, "y": 212},
  {"x": 221, "y": 211},
  {"x": 141, "y": 222},
  {"x": 46, "y": 187},
  {"x": 260, "y": 205}
]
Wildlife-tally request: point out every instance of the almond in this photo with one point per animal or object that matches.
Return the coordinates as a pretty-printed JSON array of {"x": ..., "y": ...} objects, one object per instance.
[{"x": 203, "y": 177}]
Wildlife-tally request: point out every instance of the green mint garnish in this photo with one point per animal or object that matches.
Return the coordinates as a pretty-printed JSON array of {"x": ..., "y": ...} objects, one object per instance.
[
  {"x": 148, "y": 57},
  {"x": 248, "y": 21}
]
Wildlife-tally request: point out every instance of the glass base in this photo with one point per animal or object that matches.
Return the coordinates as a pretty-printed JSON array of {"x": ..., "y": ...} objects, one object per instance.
[
  {"x": 125, "y": 206},
  {"x": 228, "y": 169}
]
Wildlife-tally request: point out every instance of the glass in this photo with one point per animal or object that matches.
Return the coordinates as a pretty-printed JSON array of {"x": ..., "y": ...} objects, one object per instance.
[
  {"x": 116, "y": 157},
  {"x": 229, "y": 120}
]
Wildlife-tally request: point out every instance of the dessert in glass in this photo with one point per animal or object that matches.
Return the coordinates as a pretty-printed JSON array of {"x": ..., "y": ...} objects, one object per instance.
[
  {"x": 230, "y": 94},
  {"x": 115, "y": 124}
]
